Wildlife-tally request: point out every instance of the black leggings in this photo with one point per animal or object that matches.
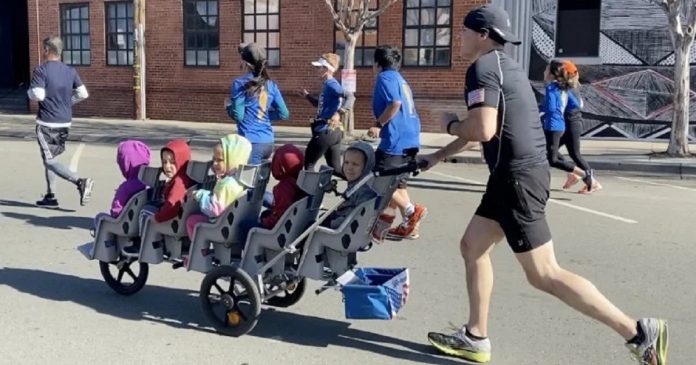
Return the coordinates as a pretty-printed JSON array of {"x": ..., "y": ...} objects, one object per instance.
[
  {"x": 571, "y": 139},
  {"x": 553, "y": 143},
  {"x": 328, "y": 144}
]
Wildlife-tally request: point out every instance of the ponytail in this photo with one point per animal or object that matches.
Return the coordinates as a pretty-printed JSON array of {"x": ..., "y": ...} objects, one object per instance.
[{"x": 258, "y": 82}]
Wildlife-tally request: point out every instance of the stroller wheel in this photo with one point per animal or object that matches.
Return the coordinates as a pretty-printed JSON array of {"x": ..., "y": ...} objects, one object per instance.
[
  {"x": 290, "y": 296},
  {"x": 230, "y": 300},
  {"x": 121, "y": 276}
]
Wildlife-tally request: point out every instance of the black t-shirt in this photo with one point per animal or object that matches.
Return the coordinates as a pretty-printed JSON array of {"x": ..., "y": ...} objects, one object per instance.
[{"x": 497, "y": 81}]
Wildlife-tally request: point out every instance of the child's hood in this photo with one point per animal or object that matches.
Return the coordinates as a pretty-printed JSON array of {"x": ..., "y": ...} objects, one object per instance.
[
  {"x": 236, "y": 151},
  {"x": 182, "y": 154},
  {"x": 288, "y": 161},
  {"x": 369, "y": 154},
  {"x": 130, "y": 155}
]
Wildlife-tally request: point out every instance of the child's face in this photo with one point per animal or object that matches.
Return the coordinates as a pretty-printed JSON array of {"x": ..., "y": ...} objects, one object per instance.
[
  {"x": 353, "y": 164},
  {"x": 168, "y": 164},
  {"x": 218, "y": 161}
]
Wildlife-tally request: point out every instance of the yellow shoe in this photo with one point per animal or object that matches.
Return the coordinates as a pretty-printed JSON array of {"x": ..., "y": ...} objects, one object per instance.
[{"x": 460, "y": 345}]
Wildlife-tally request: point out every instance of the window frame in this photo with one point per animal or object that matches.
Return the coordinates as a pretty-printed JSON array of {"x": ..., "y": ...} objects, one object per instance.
[
  {"x": 580, "y": 60},
  {"x": 127, "y": 33},
  {"x": 62, "y": 9},
  {"x": 195, "y": 32},
  {"x": 254, "y": 31},
  {"x": 435, "y": 27}
]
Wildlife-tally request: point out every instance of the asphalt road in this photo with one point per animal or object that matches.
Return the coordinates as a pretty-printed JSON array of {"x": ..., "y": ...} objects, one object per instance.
[{"x": 634, "y": 240}]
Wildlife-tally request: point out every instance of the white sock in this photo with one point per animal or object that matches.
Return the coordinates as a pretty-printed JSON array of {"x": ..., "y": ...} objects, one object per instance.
[{"x": 410, "y": 209}]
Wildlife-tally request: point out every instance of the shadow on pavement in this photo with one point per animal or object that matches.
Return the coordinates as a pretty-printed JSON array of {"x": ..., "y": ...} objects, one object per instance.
[
  {"x": 18, "y": 204},
  {"x": 321, "y": 332},
  {"x": 180, "y": 308},
  {"x": 174, "y": 307},
  {"x": 58, "y": 222}
]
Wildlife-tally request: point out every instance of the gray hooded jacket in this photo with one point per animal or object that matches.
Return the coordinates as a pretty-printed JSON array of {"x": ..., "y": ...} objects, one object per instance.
[{"x": 363, "y": 194}]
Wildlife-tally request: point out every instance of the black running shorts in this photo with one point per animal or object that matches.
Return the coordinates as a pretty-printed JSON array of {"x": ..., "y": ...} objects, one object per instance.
[
  {"x": 517, "y": 201},
  {"x": 385, "y": 161}
]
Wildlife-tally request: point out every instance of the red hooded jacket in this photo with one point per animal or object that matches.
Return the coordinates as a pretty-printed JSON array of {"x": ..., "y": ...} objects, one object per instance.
[
  {"x": 286, "y": 165},
  {"x": 175, "y": 190}
]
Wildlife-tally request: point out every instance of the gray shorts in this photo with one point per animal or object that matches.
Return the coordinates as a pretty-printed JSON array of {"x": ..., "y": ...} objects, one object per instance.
[{"x": 51, "y": 141}]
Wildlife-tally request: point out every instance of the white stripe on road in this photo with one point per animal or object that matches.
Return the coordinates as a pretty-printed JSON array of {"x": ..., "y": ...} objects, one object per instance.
[
  {"x": 592, "y": 211},
  {"x": 552, "y": 200},
  {"x": 657, "y": 184},
  {"x": 75, "y": 160},
  {"x": 457, "y": 178}
]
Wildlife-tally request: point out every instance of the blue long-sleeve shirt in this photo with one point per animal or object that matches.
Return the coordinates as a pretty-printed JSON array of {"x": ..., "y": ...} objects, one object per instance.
[
  {"x": 556, "y": 103},
  {"x": 254, "y": 113}
]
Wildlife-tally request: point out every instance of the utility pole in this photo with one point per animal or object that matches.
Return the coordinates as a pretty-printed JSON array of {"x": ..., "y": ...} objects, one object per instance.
[{"x": 139, "y": 59}]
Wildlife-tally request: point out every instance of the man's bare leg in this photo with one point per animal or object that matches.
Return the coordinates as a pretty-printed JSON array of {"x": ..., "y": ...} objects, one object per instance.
[
  {"x": 478, "y": 241},
  {"x": 544, "y": 273}
]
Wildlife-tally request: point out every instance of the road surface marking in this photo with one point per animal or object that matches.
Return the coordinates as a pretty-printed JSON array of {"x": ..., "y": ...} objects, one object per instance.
[
  {"x": 552, "y": 200},
  {"x": 75, "y": 160},
  {"x": 656, "y": 183}
]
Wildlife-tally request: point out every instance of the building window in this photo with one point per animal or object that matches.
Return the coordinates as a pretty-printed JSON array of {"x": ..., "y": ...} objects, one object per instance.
[
  {"x": 119, "y": 33},
  {"x": 366, "y": 44},
  {"x": 261, "y": 25},
  {"x": 578, "y": 17},
  {"x": 74, "y": 21},
  {"x": 428, "y": 32},
  {"x": 201, "y": 33}
]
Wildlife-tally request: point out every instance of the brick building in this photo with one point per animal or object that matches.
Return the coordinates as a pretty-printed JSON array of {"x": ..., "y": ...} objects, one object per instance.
[{"x": 191, "y": 52}]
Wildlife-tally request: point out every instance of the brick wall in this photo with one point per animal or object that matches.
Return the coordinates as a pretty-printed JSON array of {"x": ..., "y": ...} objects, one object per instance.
[{"x": 177, "y": 92}]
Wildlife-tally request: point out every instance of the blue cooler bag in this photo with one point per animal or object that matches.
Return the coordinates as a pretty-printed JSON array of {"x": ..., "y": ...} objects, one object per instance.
[{"x": 373, "y": 293}]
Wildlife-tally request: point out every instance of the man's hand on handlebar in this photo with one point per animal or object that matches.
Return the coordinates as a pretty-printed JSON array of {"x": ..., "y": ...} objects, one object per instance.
[{"x": 427, "y": 162}]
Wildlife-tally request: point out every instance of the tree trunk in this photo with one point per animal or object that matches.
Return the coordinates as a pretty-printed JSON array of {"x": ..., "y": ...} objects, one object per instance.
[
  {"x": 679, "y": 139},
  {"x": 349, "y": 64}
]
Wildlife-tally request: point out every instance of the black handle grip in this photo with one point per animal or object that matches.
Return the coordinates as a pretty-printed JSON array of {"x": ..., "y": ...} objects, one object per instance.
[{"x": 412, "y": 167}]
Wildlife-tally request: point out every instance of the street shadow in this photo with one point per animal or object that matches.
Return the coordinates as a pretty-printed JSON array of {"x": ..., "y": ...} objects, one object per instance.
[
  {"x": 58, "y": 222},
  {"x": 321, "y": 332},
  {"x": 174, "y": 307},
  {"x": 180, "y": 308},
  {"x": 18, "y": 204},
  {"x": 445, "y": 188}
]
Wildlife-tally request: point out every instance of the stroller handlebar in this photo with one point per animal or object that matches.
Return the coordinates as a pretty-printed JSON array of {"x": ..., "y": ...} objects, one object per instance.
[{"x": 412, "y": 167}]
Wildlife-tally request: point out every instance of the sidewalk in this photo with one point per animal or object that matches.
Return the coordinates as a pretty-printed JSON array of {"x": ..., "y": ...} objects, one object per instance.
[{"x": 601, "y": 154}]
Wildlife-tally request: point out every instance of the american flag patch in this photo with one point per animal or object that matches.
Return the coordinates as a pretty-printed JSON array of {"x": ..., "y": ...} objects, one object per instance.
[{"x": 475, "y": 97}]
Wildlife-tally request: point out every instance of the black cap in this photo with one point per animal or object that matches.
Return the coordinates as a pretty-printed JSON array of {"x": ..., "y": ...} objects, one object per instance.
[
  {"x": 252, "y": 52},
  {"x": 494, "y": 19}
]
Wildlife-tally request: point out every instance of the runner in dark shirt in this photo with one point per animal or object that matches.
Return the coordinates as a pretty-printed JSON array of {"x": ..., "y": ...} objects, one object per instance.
[
  {"x": 503, "y": 115},
  {"x": 56, "y": 87}
]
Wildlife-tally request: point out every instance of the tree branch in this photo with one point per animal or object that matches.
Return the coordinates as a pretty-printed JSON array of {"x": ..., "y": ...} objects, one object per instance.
[
  {"x": 363, "y": 12},
  {"x": 385, "y": 4},
  {"x": 691, "y": 21},
  {"x": 335, "y": 14}
]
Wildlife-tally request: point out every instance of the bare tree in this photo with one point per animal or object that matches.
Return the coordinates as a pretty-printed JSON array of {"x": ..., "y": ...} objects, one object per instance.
[
  {"x": 350, "y": 16},
  {"x": 682, "y": 35}
]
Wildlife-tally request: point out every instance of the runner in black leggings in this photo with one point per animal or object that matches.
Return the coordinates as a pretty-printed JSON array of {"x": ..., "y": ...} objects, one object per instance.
[
  {"x": 571, "y": 140},
  {"x": 327, "y": 131},
  {"x": 562, "y": 76}
]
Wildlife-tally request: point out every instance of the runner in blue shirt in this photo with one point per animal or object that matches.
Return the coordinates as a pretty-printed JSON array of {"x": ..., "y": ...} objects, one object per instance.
[
  {"x": 398, "y": 126},
  {"x": 561, "y": 77},
  {"x": 327, "y": 131},
  {"x": 256, "y": 102}
]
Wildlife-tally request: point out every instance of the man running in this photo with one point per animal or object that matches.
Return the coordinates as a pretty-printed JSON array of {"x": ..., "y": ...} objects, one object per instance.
[
  {"x": 56, "y": 87},
  {"x": 504, "y": 116}
]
